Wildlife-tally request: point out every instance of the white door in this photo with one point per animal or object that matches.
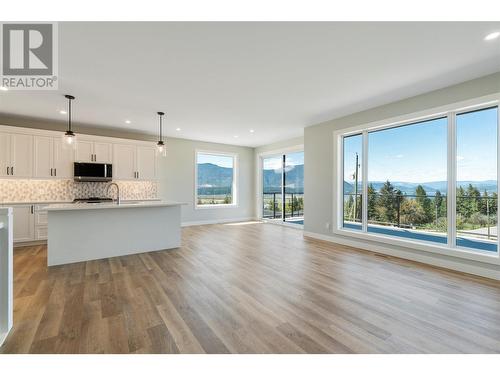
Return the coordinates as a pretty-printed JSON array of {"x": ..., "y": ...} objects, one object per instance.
[
  {"x": 103, "y": 152},
  {"x": 124, "y": 162},
  {"x": 24, "y": 224},
  {"x": 4, "y": 154},
  {"x": 84, "y": 151},
  {"x": 21, "y": 151},
  {"x": 63, "y": 160},
  {"x": 43, "y": 157},
  {"x": 146, "y": 162}
]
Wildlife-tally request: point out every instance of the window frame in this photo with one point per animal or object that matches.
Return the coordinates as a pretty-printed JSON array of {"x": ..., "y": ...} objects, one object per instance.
[
  {"x": 450, "y": 112},
  {"x": 235, "y": 185}
]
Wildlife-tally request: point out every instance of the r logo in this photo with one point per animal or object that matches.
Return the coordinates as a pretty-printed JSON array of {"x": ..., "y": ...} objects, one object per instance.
[{"x": 27, "y": 49}]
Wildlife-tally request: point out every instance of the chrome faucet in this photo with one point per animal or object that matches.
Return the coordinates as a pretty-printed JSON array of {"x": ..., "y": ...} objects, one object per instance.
[{"x": 118, "y": 201}]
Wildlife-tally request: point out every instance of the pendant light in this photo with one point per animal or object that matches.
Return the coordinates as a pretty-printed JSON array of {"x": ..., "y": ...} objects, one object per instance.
[
  {"x": 160, "y": 145},
  {"x": 69, "y": 136}
]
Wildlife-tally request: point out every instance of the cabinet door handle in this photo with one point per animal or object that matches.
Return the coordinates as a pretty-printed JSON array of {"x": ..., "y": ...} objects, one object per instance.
[
  {"x": 137, "y": 174},
  {"x": 51, "y": 171},
  {"x": 7, "y": 171},
  {"x": 12, "y": 171},
  {"x": 55, "y": 171},
  {"x": 32, "y": 209}
]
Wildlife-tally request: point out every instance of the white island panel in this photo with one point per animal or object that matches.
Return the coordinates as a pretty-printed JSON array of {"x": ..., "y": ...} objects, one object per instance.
[{"x": 82, "y": 232}]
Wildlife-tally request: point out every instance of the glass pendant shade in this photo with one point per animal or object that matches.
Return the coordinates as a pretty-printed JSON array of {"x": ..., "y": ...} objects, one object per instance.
[
  {"x": 161, "y": 148},
  {"x": 69, "y": 137}
]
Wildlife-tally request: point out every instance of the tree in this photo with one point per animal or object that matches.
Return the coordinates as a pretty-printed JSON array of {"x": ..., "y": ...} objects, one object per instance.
[
  {"x": 440, "y": 204},
  {"x": 461, "y": 202},
  {"x": 387, "y": 203},
  {"x": 424, "y": 202},
  {"x": 372, "y": 202},
  {"x": 412, "y": 212}
]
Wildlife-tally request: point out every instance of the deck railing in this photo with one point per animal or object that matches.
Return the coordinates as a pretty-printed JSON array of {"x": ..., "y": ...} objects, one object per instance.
[
  {"x": 476, "y": 216},
  {"x": 272, "y": 205}
]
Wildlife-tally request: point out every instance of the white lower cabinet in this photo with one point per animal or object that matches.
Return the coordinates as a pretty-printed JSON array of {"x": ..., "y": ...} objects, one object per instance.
[
  {"x": 24, "y": 222},
  {"x": 41, "y": 233},
  {"x": 30, "y": 222}
]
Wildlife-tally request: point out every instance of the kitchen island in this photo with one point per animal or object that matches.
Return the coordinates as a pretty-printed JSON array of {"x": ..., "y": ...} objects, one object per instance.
[{"x": 82, "y": 232}]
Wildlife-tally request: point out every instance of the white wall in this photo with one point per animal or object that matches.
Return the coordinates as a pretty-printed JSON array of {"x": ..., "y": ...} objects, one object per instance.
[
  {"x": 319, "y": 168},
  {"x": 176, "y": 172},
  {"x": 278, "y": 146}
]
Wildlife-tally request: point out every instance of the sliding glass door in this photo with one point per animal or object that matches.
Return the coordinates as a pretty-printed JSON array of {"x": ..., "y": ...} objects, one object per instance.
[
  {"x": 272, "y": 186},
  {"x": 283, "y": 187}
]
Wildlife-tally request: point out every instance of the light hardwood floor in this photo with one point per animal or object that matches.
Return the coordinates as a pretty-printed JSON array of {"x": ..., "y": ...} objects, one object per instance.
[{"x": 253, "y": 288}]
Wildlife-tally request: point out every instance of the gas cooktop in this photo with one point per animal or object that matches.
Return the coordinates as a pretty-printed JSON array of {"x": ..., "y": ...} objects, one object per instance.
[{"x": 92, "y": 200}]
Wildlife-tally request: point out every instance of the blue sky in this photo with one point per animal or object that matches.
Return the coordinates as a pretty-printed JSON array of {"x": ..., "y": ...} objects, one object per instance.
[
  {"x": 220, "y": 160},
  {"x": 417, "y": 153},
  {"x": 275, "y": 162}
]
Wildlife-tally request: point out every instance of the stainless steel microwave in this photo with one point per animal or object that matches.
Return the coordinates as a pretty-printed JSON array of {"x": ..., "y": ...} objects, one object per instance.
[{"x": 93, "y": 172}]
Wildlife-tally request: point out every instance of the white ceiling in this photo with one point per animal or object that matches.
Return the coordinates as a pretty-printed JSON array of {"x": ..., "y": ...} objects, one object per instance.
[{"x": 216, "y": 81}]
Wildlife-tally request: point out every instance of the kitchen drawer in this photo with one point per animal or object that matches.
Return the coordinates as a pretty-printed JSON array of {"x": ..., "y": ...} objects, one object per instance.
[
  {"x": 41, "y": 218},
  {"x": 41, "y": 232}
]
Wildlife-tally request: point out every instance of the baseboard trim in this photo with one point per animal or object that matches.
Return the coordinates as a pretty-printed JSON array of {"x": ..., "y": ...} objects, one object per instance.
[
  {"x": 3, "y": 336},
  {"x": 30, "y": 243},
  {"x": 216, "y": 221},
  {"x": 443, "y": 261}
]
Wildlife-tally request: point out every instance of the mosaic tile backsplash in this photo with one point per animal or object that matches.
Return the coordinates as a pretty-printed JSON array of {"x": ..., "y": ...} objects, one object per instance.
[{"x": 67, "y": 190}]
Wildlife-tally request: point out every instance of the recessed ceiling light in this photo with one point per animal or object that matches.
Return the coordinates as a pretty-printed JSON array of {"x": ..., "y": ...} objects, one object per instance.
[
  {"x": 252, "y": 131},
  {"x": 492, "y": 36},
  {"x": 127, "y": 121},
  {"x": 63, "y": 112},
  {"x": 235, "y": 136},
  {"x": 178, "y": 129},
  {"x": 3, "y": 88}
]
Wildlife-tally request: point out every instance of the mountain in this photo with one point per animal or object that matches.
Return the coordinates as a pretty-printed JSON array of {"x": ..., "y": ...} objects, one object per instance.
[
  {"x": 213, "y": 179},
  {"x": 430, "y": 187},
  {"x": 294, "y": 179}
]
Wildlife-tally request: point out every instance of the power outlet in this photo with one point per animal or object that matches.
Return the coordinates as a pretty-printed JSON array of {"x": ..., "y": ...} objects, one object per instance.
[{"x": 327, "y": 225}]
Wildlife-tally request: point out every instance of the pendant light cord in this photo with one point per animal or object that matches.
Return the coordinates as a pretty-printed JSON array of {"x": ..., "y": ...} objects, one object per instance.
[
  {"x": 161, "y": 126},
  {"x": 69, "y": 115}
]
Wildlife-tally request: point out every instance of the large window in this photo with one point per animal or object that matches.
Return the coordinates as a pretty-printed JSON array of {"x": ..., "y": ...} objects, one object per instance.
[
  {"x": 407, "y": 181},
  {"x": 353, "y": 183},
  {"x": 411, "y": 170},
  {"x": 215, "y": 179},
  {"x": 476, "y": 201}
]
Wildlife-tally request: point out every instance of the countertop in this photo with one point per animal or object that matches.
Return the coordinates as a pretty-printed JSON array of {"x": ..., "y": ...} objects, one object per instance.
[
  {"x": 7, "y": 203},
  {"x": 101, "y": 206}
]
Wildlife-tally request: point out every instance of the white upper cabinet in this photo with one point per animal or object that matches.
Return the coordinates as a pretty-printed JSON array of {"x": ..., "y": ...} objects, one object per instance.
[
  {"x": 146, "y": 163},
  {"x": 4, "y": 154},
  {"x": 63, "y": 160},
  {"x": 43, "y": 166},
  {"x": 93, "y": 152},
  {"x": 31, "y": 153},
  {"x": 131, "y": 162},
  {"x": 52, "y": 159},
  {"x": 124, "y": 162},
  {"x": 21, "y": 150},
  {"x": 16, "y": 155},
  {"x": 103, "y": 152},
  {"x": 84, "y": 151}
]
